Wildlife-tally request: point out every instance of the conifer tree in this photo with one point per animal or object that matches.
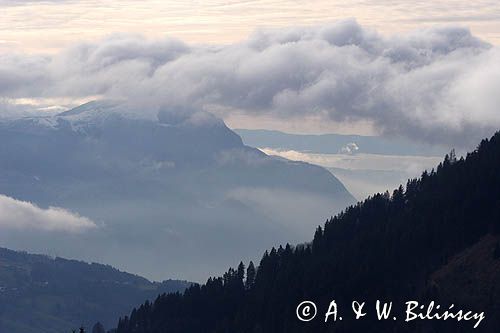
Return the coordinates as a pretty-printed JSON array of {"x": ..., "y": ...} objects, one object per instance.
[
  {"x": 250, "y": 275},
  {"x": 241, "y": 272}
]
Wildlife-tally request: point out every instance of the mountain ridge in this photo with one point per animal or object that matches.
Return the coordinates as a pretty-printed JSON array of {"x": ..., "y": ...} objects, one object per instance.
[
  {"x": 338, "y": 143},
  {"x": 177, "y": 181},
  {"x": 46, "y": 294}
]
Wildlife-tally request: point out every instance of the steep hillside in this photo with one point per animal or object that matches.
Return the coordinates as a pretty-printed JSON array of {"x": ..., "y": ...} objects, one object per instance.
[
  {"x": 408, "y": 246},
  {"x": 473, "y": 277}
]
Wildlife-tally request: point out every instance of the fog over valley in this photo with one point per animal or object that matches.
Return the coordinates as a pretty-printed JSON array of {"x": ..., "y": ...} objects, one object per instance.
[
  {"x": 156, "y": 197},
  {"x": 243, "y": 166},
  {"x": 125, "y": 137}
]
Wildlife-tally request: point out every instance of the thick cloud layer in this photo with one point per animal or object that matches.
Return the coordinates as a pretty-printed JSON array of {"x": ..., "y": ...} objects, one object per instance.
[
  {"x": 437, "y": 85},
  {"x": 22, "y": 215}
]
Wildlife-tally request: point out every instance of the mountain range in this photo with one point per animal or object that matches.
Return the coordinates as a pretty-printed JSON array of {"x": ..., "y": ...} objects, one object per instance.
[
  {"x": 338, "y": 143},
  {"x": 173, "y": 193}
]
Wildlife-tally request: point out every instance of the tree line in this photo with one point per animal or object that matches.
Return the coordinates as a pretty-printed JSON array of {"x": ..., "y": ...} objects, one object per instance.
[{"x": 386, "y": 246}]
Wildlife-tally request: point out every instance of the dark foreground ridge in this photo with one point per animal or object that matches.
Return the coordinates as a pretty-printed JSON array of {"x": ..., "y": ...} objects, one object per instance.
[{"x": 434, "y": 240}]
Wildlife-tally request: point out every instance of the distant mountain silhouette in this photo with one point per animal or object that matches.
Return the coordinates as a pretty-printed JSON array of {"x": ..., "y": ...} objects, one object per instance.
[
  {"x": 39, "y": 294},
  {"x": 159, "y": 184},
  {"x": 337, "y": 143},
  {"x": 436, "y": 239}
]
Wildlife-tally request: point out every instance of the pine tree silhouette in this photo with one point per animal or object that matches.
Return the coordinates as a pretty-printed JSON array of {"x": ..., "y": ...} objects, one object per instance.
[{"x": 386, "y": 246}]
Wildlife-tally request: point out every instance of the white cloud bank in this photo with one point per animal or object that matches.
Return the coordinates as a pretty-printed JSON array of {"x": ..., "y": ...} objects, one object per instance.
[
  {"x": 434, "y": 85},
  {"x": 22, "y": 215}
]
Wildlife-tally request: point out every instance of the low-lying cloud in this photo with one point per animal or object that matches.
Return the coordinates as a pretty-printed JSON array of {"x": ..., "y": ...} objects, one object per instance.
[
  {"x": 23, "y": 215},
  {"x": 413, "y": 165},
  {"x": 434, "y": 85}
]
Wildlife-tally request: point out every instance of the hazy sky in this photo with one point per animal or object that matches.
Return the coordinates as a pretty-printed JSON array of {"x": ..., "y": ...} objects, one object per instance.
[
  {"x": 426, "y": 70},
  {"x": 50, "y": 25}
]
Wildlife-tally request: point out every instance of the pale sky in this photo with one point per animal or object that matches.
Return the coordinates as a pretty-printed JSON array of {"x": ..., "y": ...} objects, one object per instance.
[
  {"x": 426, "y": 70},
  {"x": 47, "y": 26}
]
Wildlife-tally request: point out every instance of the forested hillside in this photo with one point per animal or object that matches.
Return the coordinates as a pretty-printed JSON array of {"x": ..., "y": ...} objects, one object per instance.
[
  {"x": 417, "y": 243},
  {"x": 50, "y": 295}
]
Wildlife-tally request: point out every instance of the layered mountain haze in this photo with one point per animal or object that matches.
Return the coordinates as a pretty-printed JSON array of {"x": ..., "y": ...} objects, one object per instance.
[
  {"x": 364, "y": 164},
  {"x": 337, "y": 143},
  {"x": 434, "y": 241},
  {"x": 176, "y": 141},
  {"x": 169, "y": 190}
]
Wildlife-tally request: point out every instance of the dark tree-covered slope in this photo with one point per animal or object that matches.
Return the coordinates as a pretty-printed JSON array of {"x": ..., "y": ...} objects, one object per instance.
[
  {"x": 39, "y": 294},
  {"x": 402, "y": 246}
]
